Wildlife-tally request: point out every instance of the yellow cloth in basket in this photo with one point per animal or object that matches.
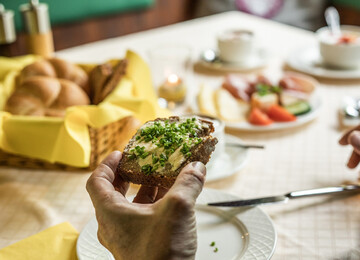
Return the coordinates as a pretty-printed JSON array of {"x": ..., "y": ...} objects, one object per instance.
[
  {"x": 66, "y": 140},
  {"x": 56, "y": 243}
]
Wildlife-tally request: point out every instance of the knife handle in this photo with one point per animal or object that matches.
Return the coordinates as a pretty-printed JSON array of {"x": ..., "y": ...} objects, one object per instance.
[{"x": 322, "y": 191}]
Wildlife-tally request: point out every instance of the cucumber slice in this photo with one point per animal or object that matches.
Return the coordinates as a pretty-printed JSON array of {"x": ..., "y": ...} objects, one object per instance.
[{"x": 299, "y": 108}]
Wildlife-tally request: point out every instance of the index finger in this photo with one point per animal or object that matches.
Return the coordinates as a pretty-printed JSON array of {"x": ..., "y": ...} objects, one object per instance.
[
  {"x": 344, "y": 139},
  {"x": 100, "y": 184}
]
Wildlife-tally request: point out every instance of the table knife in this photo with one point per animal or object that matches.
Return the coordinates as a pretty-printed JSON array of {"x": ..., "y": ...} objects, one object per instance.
[
  {"x": 286, "y": 197},
  {"x": 246, "y": 145}
]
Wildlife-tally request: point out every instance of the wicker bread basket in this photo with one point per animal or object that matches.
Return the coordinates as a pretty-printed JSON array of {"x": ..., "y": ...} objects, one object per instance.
[{"x": 104, "y": 140}]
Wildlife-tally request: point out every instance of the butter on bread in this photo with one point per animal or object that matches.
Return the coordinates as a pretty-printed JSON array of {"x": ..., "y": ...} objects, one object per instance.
[{"x": 161, "y": 148}]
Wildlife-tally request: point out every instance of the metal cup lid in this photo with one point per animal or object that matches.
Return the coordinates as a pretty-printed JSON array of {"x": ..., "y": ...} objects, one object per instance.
[
  {"x": 7, "y": 26},
  {"x": 36, "y": 17}
]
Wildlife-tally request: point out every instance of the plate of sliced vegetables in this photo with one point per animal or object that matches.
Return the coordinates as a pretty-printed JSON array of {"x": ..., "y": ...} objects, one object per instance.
[{"x": 257, "y": 103}]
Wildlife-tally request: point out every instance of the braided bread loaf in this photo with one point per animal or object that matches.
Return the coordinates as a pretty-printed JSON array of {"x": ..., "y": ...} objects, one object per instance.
[
  {"x": 56, "y": 68},
  {"x": 47, "y": 88},
  {"x": 45, "y": 96}
]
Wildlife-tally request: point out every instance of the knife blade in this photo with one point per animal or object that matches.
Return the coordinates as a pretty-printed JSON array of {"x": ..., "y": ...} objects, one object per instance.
[
  {"x": 284, "y": 198},
  {"x": 255, "y": 146}
]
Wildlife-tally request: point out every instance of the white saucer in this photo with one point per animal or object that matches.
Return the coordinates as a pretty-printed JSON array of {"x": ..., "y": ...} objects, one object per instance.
[
  {"x": 246, "y": 233},
  {"x": 308, "y": 60},
  {"x": 258, "y": 60},
  {"x": 229, "y": 163}
]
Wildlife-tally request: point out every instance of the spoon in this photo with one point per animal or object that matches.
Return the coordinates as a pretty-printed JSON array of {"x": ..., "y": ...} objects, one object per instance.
[
  {"x": 351, "y": 112},
  {"x": 352, "y": 108},
  {"x": 333, "y": 20},
  {"x": 210, "y": 56}
]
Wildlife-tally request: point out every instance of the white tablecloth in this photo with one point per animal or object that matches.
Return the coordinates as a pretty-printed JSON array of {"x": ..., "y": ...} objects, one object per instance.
[{"x": 300, "y": 158}]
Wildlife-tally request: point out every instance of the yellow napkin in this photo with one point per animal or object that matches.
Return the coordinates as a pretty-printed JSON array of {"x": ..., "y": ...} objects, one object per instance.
[
  {"x": 56, "y": 243},
  {"x": 67, "y": 140}
]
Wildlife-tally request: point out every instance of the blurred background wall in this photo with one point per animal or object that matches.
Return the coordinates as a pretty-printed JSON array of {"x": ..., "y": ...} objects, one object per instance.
[{"x": 76, "y": 22}]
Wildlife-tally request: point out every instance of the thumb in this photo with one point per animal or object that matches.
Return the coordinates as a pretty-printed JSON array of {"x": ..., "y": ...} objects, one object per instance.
[{"x": 189, "y": 183}]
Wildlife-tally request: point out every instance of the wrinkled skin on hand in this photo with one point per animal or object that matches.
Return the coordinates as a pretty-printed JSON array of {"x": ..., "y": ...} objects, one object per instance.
[
  {"x": 158, "y": 224},
  {"x": 352, "y": 137}
]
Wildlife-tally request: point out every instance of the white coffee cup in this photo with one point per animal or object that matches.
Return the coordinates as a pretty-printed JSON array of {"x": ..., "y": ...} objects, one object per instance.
[{"x": 236, "y": 46}]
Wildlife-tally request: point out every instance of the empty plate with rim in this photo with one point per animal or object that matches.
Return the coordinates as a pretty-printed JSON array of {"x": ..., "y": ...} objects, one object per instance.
[
  {"x": 236, "y": 233},
  {"x": 308, "y": 60},
  {"x": 210, "y": 59}
]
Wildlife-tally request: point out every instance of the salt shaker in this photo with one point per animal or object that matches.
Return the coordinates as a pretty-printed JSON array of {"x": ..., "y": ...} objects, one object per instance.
[
  {"x": 7, "y": 32},
  {"x": 37, "y": 28}
]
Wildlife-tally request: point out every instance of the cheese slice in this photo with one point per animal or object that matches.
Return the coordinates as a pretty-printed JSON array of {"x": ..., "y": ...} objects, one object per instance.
[
  {"x": 229, "y": 108},
  {"x": 206, "y": 101}
]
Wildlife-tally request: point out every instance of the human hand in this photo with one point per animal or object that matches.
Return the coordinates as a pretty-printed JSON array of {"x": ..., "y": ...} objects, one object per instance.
[
  {"x": 352, "y": 137},
  {"x": 159, "y": 224}
]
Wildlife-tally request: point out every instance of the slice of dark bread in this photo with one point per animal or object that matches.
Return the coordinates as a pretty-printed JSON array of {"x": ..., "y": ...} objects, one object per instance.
[{"x": 161, "y": 148}]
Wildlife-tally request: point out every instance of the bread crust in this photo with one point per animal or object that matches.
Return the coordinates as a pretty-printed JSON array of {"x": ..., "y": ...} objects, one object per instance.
[
  {"x": 114, "y": 79},
  {"x": 98, "y": 78},
  {"x": 130, "y": 170}
]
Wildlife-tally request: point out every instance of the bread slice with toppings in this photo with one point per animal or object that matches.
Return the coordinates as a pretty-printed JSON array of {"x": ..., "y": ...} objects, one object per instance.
[{"x": 161, "y": 148}]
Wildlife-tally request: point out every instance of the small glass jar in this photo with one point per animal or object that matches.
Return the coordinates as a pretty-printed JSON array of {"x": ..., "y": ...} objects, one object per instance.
[
  {"x": 39, "y": 39},
  {"x": 7, "y": 33},
  {"x": 170, "y": 66}
]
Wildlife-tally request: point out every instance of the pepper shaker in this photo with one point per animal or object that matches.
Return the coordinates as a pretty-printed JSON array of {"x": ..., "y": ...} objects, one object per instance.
[
  {"x": 7, "y": 32},
  {"x": 36, "y": 20}
]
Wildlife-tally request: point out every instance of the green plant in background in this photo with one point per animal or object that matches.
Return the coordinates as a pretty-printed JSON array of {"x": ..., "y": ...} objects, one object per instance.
[
  {"x": 349, "y": 3},
  {"x": 67, "y": 11}
]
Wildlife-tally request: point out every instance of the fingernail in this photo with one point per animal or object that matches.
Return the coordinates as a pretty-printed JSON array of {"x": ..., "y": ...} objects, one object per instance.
[{"x": 199, "y": 166}]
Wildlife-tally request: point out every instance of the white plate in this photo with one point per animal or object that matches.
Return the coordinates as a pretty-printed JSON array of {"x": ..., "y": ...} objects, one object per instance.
[
  {"x": 259, "y": 60},
  {"x": 246, "y": 233},
  {"x": 228, "y": 163},
  {"x": 308, "y": 60},
  {"x": 315, "y": 103}
]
